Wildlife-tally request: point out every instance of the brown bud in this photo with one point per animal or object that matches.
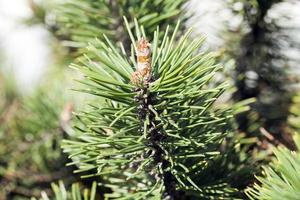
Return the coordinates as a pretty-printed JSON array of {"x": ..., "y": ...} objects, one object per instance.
[{"x": 143, "y": 72}]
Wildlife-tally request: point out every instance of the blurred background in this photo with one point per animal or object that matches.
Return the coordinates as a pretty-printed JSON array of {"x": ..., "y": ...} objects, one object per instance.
[
  {"x": 257, "y": 42},
  {"x": 25, "y": 49},
  {"x": 27, "y": 52}
]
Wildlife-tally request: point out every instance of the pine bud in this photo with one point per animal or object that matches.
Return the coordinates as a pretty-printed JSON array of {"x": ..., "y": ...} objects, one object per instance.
[{"x": 142, "y": 75}]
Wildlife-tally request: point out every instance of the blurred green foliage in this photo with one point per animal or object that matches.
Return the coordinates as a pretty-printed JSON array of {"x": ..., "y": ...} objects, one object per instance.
[
  {"x": 77, "y": 192},
  {"x": 294, "y": 118},
  {"x": 281, "y": 179},
  {"x": 31, "y": 133},
  {"x": 77, "y": 22}
]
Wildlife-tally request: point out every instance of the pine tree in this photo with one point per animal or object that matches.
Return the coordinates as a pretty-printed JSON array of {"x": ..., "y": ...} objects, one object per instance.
[
  {"x": 40, "y": 104},
  {"x": 153, "y": 127},
  {"x": 153, "y": 131}
]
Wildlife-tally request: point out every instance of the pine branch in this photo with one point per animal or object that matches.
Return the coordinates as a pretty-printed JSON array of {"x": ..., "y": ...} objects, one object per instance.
[
  {"x": 82, "y": 21},
  {"x": 151, "y": 139}
]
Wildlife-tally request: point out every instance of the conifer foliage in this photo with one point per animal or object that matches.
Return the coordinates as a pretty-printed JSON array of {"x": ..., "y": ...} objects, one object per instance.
[
  {"x": 153, "y": 137},
  {"x": 280, "y": 180},
  {"x": 75, "y": 193},
  {"x": 154, "y": 127},
  {"x": 82, "y": 21},
  {"x": 30, "y": 137}
]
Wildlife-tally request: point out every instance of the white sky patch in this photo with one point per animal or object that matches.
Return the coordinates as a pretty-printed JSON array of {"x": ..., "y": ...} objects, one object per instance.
[
  {"x": 209, "y": 19},
  {"x": 25, "y": 49}
]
